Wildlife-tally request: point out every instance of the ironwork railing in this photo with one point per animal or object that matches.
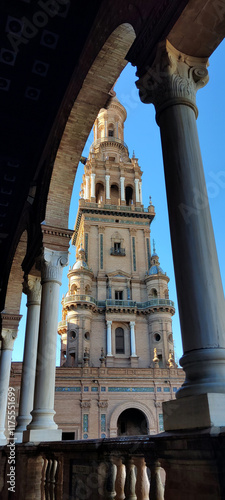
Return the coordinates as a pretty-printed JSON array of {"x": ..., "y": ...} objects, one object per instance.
[
  {"x": 116, "y": 302},
  {"x": 117, "y": 251}
]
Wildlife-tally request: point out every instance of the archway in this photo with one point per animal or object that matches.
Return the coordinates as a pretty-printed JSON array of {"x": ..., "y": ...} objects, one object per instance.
[
  {"x": 132, "y": 422},
  {"x": 93, "y": 95},
  {"x": 131, "y": 404}
]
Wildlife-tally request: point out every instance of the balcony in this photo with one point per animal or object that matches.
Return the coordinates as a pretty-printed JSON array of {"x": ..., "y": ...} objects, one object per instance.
[
  {"x": 79, "y": 298},
  {"x": 104, "y": 140},
  {"x": 118, "y": 251},
  {"x": 155, "y": 302},
  {"x": 164, "y": 466}
]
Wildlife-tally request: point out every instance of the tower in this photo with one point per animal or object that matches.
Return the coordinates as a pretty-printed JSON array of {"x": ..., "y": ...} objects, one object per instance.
[{"x": 117, "y": 312}]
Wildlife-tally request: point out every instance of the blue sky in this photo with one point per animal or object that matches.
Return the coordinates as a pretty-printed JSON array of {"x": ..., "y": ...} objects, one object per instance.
[{"x": 142, "y": 135}]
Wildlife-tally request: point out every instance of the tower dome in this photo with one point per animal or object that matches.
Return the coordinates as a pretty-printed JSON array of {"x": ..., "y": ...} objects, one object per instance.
[{"x": 81, "y": 262}]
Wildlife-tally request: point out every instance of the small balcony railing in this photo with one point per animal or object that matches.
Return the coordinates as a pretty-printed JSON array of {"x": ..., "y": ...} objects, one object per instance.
[
  {"x": 155, "y": 302},
  {"x": 79, "y": 298},
  {"x": 123, "y": 303},
  {"x": 102, "y": 140},
  {"x": 118, "y": 251}
]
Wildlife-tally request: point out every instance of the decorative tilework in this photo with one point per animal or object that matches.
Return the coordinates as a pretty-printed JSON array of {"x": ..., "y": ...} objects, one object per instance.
[
  {"x": 86, "y": 389},
  {"x": 86, "y": 246},
  {"x": 161, "y": 424},
  {"x": 85, "y": 422},
  {"x": 148, "y": 253},
  {"x": 134, "y": 254},
  {"x": 166, "y": 389},
  {"x": 103, "y": 389},
  {"x": 103, "y": 436},
  {"x": 130, "y": 222},
  {"x": 103, "y": 422},
  {"x": 174, "y": 389},
  {"x": 85, "y": 436},
  {"x": 159, "y": 389},
  {"x": 101, "y": 251},
  {"x": 67, "y": 389},
  {"x": 131, "y": 389},
  {"x": 94, "y": 389}
]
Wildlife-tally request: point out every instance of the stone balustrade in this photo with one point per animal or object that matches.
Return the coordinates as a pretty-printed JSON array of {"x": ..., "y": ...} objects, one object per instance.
[{"x": 122, "y": 468}]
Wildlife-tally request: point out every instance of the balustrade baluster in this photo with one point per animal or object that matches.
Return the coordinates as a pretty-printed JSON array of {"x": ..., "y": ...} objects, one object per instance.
[
  {"x": 120, "y": 480},
  {"x": 156, "y": 486},
  {"x": 130, "y": 481},
  {"x": 142, "y": 482},
  {"x": 110, "y": 480}
]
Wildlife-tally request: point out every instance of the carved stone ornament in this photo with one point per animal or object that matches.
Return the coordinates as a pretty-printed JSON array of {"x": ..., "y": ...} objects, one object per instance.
[
  {"x": 8, "y": 337},
  {"x": 85, "y": 404},
  {"x": 32, "y": 287},
  {"x": 51, "y": 264},
  {"x": 103, "y": 404},
  {"x": 174, "y": 78}
]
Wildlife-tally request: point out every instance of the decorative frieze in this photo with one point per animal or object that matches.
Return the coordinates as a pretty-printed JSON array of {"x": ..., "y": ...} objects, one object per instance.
[
  {"x": 85, "y": 404},
  {"x": 103, "y": 404}
]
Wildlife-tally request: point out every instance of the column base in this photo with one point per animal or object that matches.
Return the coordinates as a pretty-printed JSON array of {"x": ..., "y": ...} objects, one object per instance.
[
  {"x": 194, "y": 412},
  {"x": 134, "y": 361},
  {"x": 40, "y": 435},
  {"x": 109, "y": 360}
]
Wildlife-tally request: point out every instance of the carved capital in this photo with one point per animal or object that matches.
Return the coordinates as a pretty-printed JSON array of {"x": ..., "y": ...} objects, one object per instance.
[
  {"x": 51, "y": 264},
  {"x": 85, "y": 404},
  {"x": 8, "y": 337},
  {"x": 174, "y": 78},
  {"x": 103, "y": 404},
  {"x": 32, "y": 288}
]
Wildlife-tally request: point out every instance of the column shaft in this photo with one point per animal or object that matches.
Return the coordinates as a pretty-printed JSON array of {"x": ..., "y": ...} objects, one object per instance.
[
  {"x": 33, "y": 289},
  {"x": 87, "y": 190},
  {"x": 137, "y": 190},
  {"x": 92, "y": 185},
  {"x": 109, "y": 338},
  {"x": 43, "y": 427},
  {"x": 132, "y": 339},
  {"x": 107, "y": 187},
  {"x": 122, "y": 190}
]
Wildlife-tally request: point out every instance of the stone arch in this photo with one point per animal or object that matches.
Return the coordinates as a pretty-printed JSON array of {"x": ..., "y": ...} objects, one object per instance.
[
  {"x": 128, "y": 405},
  {"x": 15, "y": 282},
  {"x": 93, "y": 96}
]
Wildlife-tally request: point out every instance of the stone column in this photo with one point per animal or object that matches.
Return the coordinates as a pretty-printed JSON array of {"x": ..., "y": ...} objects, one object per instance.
[
  {"x": 171, "y": 84},
  {"x": 43, "y": 427},
  {"x": 136, "y": 181},
  {"x": 32, "y": 287},
  {"x": 10, "y": 324},
  {"x": 109, "y": 338},
  {"x": 132, "y": 339},
  {"x": 87, "y": 190},
  {"x": 92, "y": 185},
  {"x": 122, "y": 190},
  {"x": 140, "y": 192},
  {"x": 107, "y": 187}
]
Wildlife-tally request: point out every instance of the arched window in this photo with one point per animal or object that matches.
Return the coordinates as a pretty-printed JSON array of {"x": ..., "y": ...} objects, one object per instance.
[
  {"x": 111, "y": 130},
  {"x": 119, "y": 341}
]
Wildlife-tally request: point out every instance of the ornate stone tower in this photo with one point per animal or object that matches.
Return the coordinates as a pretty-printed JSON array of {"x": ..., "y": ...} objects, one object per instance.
[
  {"x": 118, "y": 297},
  {"x": 117, "y": 354}
]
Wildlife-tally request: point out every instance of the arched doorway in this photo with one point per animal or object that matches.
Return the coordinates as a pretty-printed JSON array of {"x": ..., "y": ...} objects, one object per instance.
[{"x": 132, "y": 422}]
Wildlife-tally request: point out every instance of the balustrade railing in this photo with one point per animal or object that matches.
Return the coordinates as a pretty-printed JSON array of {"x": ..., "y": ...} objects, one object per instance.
[
  {"x": 114, "y": 302},
  {"x": 110, "y": 469}
]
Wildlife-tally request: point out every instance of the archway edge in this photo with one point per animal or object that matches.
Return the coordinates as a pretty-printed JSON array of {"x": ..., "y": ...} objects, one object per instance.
[
  {"x": 128, "y": 406},
  {"x": 93, "y": 95}
]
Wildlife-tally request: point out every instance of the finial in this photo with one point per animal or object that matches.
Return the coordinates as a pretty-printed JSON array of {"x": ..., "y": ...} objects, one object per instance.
[
  {"x": 171, "y": 360},
  {"x": 150, "y": 200},
  {"x": 153, "y": 241},
  {"x": 155, "y": 359},
  {"x": 102, "y": 358},
  {"x": 133, "y": 156}
]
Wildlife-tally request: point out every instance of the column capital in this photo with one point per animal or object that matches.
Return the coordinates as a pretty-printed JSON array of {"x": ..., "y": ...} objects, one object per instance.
[
  {"x": 132, "y": 323},
  {"x": 32, "y": 288},
  {"x": 108, "y": 322},
  {"x": 173, "y": 78},
  {"x": 51, "y": 264},
  {"x": 8, "y": 337}
]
